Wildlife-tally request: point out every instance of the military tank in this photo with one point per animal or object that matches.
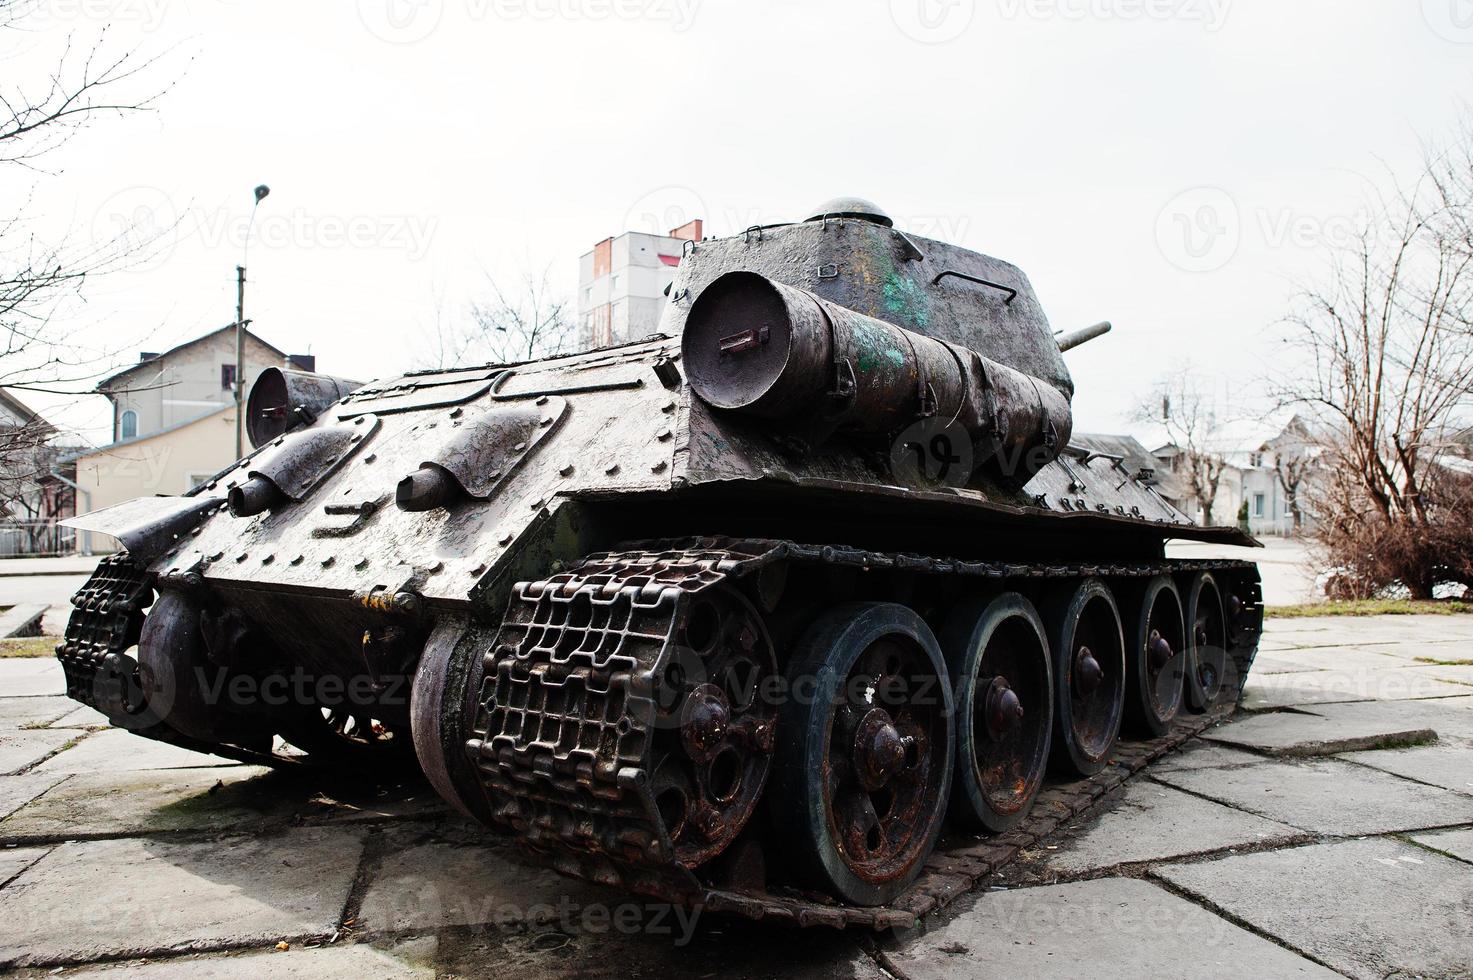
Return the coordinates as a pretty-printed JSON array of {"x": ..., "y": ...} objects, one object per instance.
[{"x": 748, "y": 614}]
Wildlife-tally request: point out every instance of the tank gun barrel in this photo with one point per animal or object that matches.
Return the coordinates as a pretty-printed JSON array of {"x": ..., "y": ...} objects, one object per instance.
[{"x": 1069, "y": 341}]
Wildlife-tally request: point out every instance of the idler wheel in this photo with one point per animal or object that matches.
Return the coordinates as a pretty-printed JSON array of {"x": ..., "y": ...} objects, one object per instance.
[
  {"x": 714, "y": 724},
  {"x": 865, "y": 758},
  {"x": 998, "y": 657},
  {"x": 1156, "y": 653},
  {"x": 1207, "y": 663},
  {"x": 1089, "y": 677}
]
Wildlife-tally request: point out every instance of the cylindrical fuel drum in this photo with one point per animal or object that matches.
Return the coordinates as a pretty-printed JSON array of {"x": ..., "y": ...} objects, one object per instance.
[{"x": 763, "y": 348}]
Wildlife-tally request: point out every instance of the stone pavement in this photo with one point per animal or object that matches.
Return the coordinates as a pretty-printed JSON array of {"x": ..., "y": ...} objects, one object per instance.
[{"x": 1330, "y": 834}]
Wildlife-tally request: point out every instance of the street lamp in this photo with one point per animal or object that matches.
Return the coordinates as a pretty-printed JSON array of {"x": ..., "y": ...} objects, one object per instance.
[{"x": 240, "y": 326}]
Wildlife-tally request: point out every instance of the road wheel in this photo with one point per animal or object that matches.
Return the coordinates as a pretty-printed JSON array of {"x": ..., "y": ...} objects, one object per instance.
[
  {"x": 1089, "y": 677},
  {"x": 865, "y": 751},
  {"x": 998, "y": 656}
]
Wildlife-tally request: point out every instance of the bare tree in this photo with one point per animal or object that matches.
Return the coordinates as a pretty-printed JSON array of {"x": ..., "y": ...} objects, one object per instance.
[
  {"x": 38, "y": 117},
  {"x": 1177, "y": 404},
  {"x": 1296, "y": 455},
  {"x": 523, "y": 323},
  {"x": 39, "y": 279},
  {"x": 1389, "y": 334}
]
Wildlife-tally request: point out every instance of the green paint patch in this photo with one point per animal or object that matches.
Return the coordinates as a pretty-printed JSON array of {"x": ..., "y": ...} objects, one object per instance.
[
  {"x": 905, "y": 300},
  {"x": 875, "y": 349}
]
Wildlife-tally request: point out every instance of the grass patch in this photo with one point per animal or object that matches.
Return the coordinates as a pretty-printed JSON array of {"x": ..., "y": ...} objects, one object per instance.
[
  {"x": 30, "y": 646},
  {"x": 1372, "y": 607}
]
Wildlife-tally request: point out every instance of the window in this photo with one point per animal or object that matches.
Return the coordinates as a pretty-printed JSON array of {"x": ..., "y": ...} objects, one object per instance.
[
  {"x": 1258, "y": 505},
  {"x": 227, "y": 377},
  {"x": 192, "y": 480},
  {"x": 128, "y": 425},
  {"x": 614, "y": 284}
]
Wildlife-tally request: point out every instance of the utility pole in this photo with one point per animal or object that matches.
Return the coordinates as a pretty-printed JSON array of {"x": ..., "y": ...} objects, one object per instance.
[{"x": 240, "y": 329}]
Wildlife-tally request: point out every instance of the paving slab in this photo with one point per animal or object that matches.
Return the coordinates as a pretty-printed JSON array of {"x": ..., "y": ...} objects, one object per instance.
[
  {"x": 116, "y": 749},
  {"x": 1450, "y": 718},
  {"x": 1327, "y": 796},
  {"x": 19, "y": 749},
  {"x": 1154, "y": 822},
  {"x": 1293, "y": 733},
  {"x": 432, "y": 880},
  {"x": 81, "y": 716},
  {"x": 31, "y": 677},
  {"x": 1198, "y": 754},
  {"x": 174, "y": 895},
  {"x": 17, "y": 791},
  {"x": 1329, "y": 686},
  {"x": 1458, "y": 843},
  {"x": 1369, "y": 908},
  {"x": 1327, "y": 658},
  {"x": 22, "y": 619},
  {"x": 649, "y": 943},
  {"x": 136, "y": 802},
  {"x": 14, "y": 860},
  {"x": 33, "y": 712},
  {"x": 1104, "y": 929},
  {"x": 1447, "y": 764},
  {"x": 355, "y": 962}
]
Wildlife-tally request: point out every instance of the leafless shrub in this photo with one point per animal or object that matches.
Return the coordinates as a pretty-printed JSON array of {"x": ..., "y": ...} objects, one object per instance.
[{"x": 1389, "y": 333}]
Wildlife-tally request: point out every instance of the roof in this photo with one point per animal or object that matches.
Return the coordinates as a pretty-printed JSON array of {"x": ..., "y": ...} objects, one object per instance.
[
  {"x": 102, "y": 385},
  {"x": 20, "y": 408},
  {"x": 1135, "y": 454},
  {"x": 96, "y": 450}
]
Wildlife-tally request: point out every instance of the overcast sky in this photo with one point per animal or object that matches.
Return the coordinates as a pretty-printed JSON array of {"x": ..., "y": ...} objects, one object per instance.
[{"x": 1170, "y": 165}]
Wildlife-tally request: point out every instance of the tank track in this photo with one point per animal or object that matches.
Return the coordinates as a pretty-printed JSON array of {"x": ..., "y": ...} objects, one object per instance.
[
  {"x": 106, "y": 620},
  {"x": 565, "y": 710}
]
